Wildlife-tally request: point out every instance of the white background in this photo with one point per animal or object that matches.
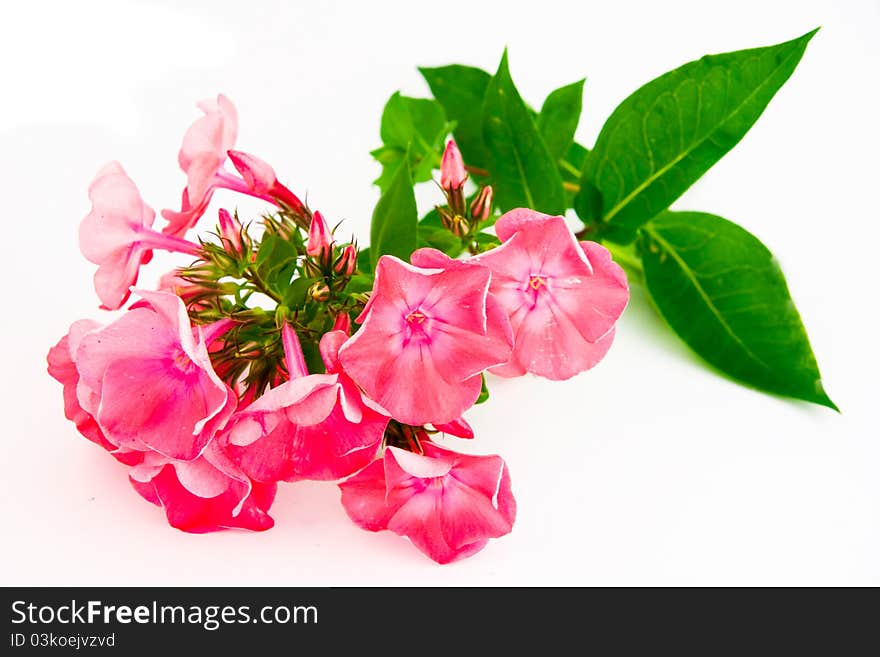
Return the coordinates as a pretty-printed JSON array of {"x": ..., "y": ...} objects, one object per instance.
[{"x": 650, "y": 469}]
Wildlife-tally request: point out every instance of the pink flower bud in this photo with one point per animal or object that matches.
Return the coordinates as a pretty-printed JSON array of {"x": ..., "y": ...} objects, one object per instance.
[
  {"x": 346, "y": 263},
  {"x": 452, "y": 173},
  {"x": 230, "y": 230},
  {"x": 342, "y": 323},
  {"x": 262, "y": 182},
  {"x": 320, "y": 238},
  {"x": 481, "y": 207}
]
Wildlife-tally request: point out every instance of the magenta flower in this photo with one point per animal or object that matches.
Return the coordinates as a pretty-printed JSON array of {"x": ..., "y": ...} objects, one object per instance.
[
  {"x": 149, "y": 383},
  {"x": 317, "y": 426},
  {"x": 203, "y": 495},
  {"x": 448, "y": 504},
  {"x": 426, "y": 335},
  {"x": 562, "y": 298},
  {"x": 117, "y": 235},
  {"x": 452, "y": 171}
]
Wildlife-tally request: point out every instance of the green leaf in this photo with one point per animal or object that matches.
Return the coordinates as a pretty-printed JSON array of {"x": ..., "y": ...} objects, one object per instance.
[
  {"x": 460, "y": 90},
  {"x": 394, "y": 227},
  {"x": 364, "y": 261},
  {"x": 416, "y": 126},
  {"x": 724, "y": 294},
  {"x": 559, "y": 118},
  {"x": 667, "y": 134},
  {"x": 523, "y": 171},
  {"x": 295, "y": 296}
]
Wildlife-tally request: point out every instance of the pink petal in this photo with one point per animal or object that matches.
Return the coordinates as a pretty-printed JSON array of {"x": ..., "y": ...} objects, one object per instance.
[{"x": 363, "y": 498}]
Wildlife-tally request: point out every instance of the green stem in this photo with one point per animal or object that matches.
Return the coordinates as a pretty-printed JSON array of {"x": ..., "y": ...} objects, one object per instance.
[{"x": 254, "y": 278}]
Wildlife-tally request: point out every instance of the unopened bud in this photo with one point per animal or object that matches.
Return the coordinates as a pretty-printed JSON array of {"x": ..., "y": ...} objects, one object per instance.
[
  {"x": 320, "y": 238},
  {"x": 460, "y": 226},
  {"x": 452, "y": 171},
  {"x": 446, "y": 218},
  {"x": 481, "y": 206},
  {"x": 342, "y": 323},
  {"x": 319, "y": 291},
  {"x": 230, "y": 231},
  {"x": 346, "y": 262}
]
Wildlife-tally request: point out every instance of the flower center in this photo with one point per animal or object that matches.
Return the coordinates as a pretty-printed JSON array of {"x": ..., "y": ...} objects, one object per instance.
[
  {"x": 536, "y": 282},
  {"x": 416, "y": 318}
]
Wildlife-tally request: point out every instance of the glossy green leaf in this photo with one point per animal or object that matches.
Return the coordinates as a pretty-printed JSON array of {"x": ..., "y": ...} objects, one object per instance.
[
  {"x": 668, "y": 133},
  {"x": 413, "y": 126},
  {"x": 559, "y": 118},
  {"x": 460, "y": 90},
  {"x": 523, "y": 171},
  {"x": 724, "y": 294},
  {"x": 394, "y": 227}
]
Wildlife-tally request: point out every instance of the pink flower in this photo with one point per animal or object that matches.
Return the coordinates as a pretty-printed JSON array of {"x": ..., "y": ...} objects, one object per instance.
[
  {"x": 203, "y": 495},
  {"x": 206, "y": 145},
  {"x": 320, "y": 240},
  {"x": 317, "y": 426},
  {"x": 426, "y": 335},
  {"x": 448, "y": 504},
  {"x": 117, "y": 235},
  {"x": 149, "y": 383},
  {"x": 563, "y": 298},
  {"x": 452, "y": 171},
  {"x": 201, "y": 157}
]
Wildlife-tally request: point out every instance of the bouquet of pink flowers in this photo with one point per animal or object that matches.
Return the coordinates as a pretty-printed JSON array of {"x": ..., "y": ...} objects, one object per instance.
[
  {"x": 277, "y": 352},
  {"x": 268, "y": 357}
]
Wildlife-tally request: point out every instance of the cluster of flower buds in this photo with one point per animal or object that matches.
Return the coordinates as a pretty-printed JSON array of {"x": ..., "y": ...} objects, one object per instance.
[
  {"x": 241, "y": 370},
  {"x": 460, "y": 218}
]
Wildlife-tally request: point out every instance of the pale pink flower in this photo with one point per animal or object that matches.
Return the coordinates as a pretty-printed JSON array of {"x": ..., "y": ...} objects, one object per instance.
[
  {"x": 562, "y": 298},
  {"x": 448, "y": 504},
  {"x": 452, "y": 171},
  {"x": 148, "y": 381},
  {"x": 206, "y": 145},
  {"x": 426, "y": 335},
  {"x": 117, "y": 236},
  {"x": 206, "y": 494},
  {"x": 314, "y": 426}
]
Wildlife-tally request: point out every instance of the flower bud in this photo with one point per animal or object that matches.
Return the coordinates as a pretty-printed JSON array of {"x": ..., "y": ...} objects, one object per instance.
[
  {"x": 460, "y": 226},
  {"x": 452, "y": 172},
  {"x": 346, "y": 263},
  {"x": 320, "y": 238},
  {"x": 481, "y": 206},
  {"x": 342, "y": 323},
  {"x": 319, "y": 291},
  {"x": 260, "y": 177},
  {"x": 230, "y": 231}
]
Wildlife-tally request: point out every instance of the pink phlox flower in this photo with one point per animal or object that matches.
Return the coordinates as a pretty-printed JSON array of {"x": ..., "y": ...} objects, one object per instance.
[
  {"x": 203, "y": 495},
  {"x": 563, "y": 298},
  {"x": 448, "y": 504},
  {"x": 117, "y": 235},
  {"x": 426, "y": 334},
  {"x": 149, "y": 383},
  {"x": 314, "y": 426}
]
